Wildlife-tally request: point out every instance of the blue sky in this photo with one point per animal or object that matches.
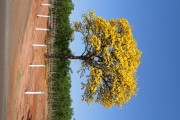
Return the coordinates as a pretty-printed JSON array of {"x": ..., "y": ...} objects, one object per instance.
[{"x": 157, "y": 30}]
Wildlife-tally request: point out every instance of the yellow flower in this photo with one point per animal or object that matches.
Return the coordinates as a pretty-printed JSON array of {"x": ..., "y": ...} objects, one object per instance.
[{"x": 112, "y": 79}]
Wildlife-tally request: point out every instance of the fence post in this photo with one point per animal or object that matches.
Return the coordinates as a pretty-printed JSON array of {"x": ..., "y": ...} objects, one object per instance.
[
  {"x": 45, "y": 29},
  {"x": 34, "y": 93},
  {"x": 45, "y": 16},
  {"x": 45, "y": 4},
  {"x": 37, "y": 65},
  {"x": 39, "y": 45}
]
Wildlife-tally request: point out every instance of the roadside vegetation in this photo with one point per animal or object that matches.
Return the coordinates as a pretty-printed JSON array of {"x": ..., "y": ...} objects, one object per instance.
[{"x": 58, "y": 70}]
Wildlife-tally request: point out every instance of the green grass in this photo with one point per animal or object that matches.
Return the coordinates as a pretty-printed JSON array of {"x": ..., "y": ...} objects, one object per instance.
[{"x": 59, "y": 100}]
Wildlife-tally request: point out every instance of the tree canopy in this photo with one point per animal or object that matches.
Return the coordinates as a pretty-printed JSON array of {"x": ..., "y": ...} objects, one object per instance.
[{"x": 112, "y": 58}]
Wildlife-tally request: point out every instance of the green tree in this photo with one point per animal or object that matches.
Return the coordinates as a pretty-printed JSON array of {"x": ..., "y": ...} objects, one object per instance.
[{"x": 112, "y": 57}]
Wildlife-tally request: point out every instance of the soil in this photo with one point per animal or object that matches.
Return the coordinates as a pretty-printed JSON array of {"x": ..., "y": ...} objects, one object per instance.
[{"x": 23, "y": 78}]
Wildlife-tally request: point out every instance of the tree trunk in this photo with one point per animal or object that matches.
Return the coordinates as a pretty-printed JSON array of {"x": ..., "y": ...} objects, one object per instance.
[{"x": 65, "y": 56}]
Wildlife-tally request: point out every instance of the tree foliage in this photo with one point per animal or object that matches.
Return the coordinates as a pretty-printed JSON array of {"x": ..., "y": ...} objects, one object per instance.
[{"x": 112, "y": 57}]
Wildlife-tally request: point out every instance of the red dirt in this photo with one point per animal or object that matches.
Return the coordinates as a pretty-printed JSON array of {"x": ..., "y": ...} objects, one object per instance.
[{"x": 22, "y": 77}]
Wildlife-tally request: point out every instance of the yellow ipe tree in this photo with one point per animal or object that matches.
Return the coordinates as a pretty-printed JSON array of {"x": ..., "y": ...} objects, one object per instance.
[{"x": 112, "y": 58}]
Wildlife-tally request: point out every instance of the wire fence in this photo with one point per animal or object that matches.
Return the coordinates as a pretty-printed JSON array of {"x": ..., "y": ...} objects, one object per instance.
[
  {"x": 57, "y": 77},
  {"x": 50, "y": 62}
]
